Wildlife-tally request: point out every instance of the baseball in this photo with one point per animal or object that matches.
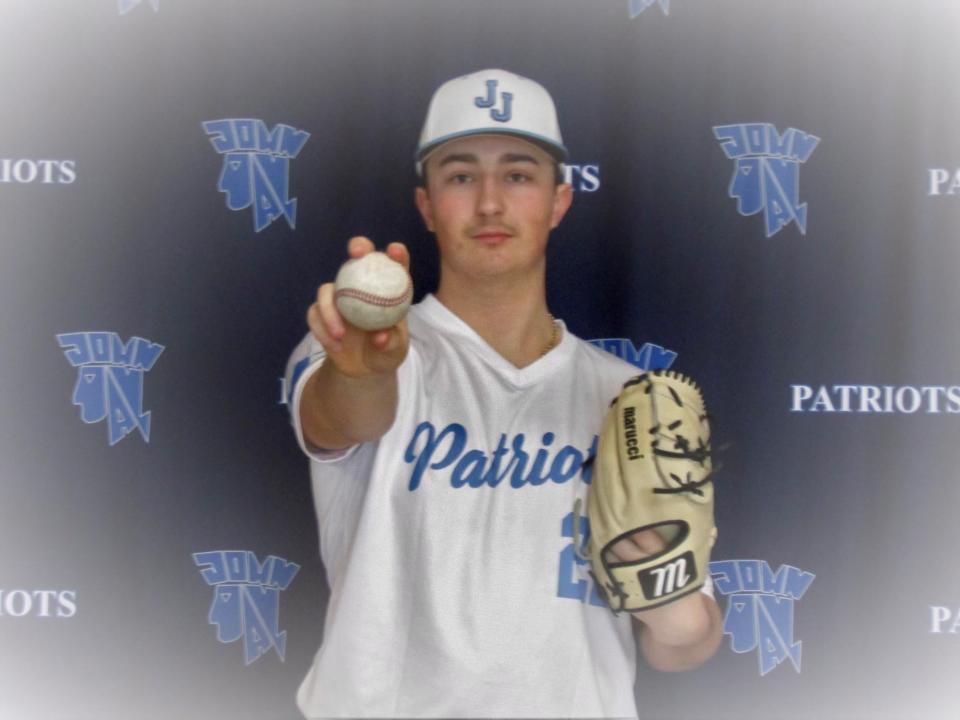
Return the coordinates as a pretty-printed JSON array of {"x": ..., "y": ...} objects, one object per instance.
[{"x": 373, "y": 292}]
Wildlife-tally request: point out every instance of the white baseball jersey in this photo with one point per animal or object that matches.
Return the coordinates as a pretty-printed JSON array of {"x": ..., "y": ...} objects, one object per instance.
[{"x": 455, "y": 589}]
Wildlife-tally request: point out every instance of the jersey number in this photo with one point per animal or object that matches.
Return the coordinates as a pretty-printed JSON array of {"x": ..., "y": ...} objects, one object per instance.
[{"x": 569, "y": 585}]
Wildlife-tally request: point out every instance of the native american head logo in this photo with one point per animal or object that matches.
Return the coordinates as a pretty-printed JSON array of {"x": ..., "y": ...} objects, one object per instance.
[
  {"x": 766, "y": 173},
  {"x": 110, "y": 379},
  {"x": 246, "y": 599},
  {"x": 760, "y": 608},
  {"x": 649, "y": 356},
  {"x": 256, "y": 167}
]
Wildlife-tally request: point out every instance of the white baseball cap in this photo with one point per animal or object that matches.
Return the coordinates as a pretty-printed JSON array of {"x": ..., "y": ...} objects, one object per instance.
[{"x": 491, "y": 101}]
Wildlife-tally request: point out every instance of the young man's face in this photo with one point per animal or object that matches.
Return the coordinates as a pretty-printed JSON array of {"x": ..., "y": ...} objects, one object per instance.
[{"x": 492, "y": 201}]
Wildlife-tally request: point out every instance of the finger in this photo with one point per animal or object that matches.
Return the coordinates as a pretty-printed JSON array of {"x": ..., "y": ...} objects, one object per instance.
[
  {"x": 625, "y": 551},
  {"x": 315, "y": 323},
  {"x": 381, "y": 339},
  {"x": 638, "y": 546},
  {"x": 329, "y": 314},
  {"x": 648, "y": 542},
  {"x": 386, "y": 349},
  {"x": 398, "y": 251},
  {"x": 391, "y": 341},
  {"x": 359, "y": 246}
]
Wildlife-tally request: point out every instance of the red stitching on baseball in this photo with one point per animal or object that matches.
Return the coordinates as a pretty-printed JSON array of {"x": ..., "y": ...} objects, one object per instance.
[{"x": 378, "y": 300}]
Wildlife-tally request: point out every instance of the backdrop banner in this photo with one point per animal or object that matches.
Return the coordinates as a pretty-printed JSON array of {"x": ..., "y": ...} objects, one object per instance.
[{"x": 766, "y": 197}]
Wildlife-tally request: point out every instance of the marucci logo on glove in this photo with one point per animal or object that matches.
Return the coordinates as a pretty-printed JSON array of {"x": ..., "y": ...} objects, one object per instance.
[
  {"x": 674, "y": 575},
  {"x": 630, "y": 433}
]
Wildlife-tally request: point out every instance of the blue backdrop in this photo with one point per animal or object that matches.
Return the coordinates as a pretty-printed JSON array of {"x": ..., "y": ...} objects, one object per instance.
[{"x": 767, "y": 198}]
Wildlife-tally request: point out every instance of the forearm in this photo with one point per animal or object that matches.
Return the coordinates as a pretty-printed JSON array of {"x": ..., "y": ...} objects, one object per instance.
[
  {"x": 681, "y": 635},
  {"x": 338, "y": 411}
]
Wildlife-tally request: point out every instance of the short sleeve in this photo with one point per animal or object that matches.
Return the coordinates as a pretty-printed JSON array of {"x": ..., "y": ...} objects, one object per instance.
[{"x": 305, "y": 360}]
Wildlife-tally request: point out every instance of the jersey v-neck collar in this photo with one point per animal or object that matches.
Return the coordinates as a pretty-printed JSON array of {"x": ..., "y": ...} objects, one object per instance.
[{"x": 434, "y": 312}]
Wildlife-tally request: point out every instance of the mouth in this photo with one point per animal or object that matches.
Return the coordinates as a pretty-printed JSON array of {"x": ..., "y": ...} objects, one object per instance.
[{"x": 492, "y": 237}]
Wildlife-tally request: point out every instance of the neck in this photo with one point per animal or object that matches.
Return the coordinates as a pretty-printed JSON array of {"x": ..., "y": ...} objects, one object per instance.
[{"x": 511, "y": 317}]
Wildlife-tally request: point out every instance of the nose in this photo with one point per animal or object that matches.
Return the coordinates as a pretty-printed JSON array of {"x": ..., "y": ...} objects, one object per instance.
[{"x": 490, "y": 200}]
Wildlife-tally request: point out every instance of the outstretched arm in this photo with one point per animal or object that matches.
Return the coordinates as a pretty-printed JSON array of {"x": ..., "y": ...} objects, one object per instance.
[{"x": 352, "y": 398}]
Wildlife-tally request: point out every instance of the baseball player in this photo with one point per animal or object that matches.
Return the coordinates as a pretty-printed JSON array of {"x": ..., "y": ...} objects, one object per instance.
[{"x": 447, "y": 453}]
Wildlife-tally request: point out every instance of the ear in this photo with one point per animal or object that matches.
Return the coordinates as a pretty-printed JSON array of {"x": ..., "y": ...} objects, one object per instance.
[
  {"x": 422, "y": 198},
  {"x": 562, "y": 199}
]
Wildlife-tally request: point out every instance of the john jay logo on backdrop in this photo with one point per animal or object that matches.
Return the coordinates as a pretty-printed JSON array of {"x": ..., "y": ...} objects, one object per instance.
[
  {"x": 504, "y": 112},
  {"x": 246, "y": 598},
  {"x": 766, "y": 174},
  {"x": 638, "y": 6},
  {"x": 256, "y": 167},
  {"x": 648, "y": 357},
  {"x": 760, "y": 608},
  {"x": 125, "y": 6},
  {"x": 110, "y": 379}
]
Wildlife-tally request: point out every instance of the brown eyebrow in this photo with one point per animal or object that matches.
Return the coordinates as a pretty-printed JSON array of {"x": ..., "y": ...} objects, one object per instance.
[
  {"x": 518, "y": 157},
  {"x": 504, "y": 160},
  {"x": 462, "y": 157}
]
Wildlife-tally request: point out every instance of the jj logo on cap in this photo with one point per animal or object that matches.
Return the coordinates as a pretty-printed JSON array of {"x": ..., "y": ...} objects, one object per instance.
[
  {"x": 483, "y": 102},
  {"x": 491, "y": 99}
]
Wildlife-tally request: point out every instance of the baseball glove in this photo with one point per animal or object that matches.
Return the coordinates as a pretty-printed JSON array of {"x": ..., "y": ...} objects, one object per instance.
[{"x": 652, "y": 474}]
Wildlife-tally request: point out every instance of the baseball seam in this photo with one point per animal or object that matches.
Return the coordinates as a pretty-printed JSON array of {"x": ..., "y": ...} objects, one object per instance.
[{"x": 378, "y": 300}]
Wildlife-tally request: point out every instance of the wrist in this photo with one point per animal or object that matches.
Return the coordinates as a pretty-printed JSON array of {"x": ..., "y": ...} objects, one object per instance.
[
  {"x": 683, "y": 622},
  {"x": 353, "y": 374}
]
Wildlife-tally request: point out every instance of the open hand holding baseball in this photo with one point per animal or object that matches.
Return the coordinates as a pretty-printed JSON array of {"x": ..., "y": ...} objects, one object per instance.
[{"x": 378, "y": 293}]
